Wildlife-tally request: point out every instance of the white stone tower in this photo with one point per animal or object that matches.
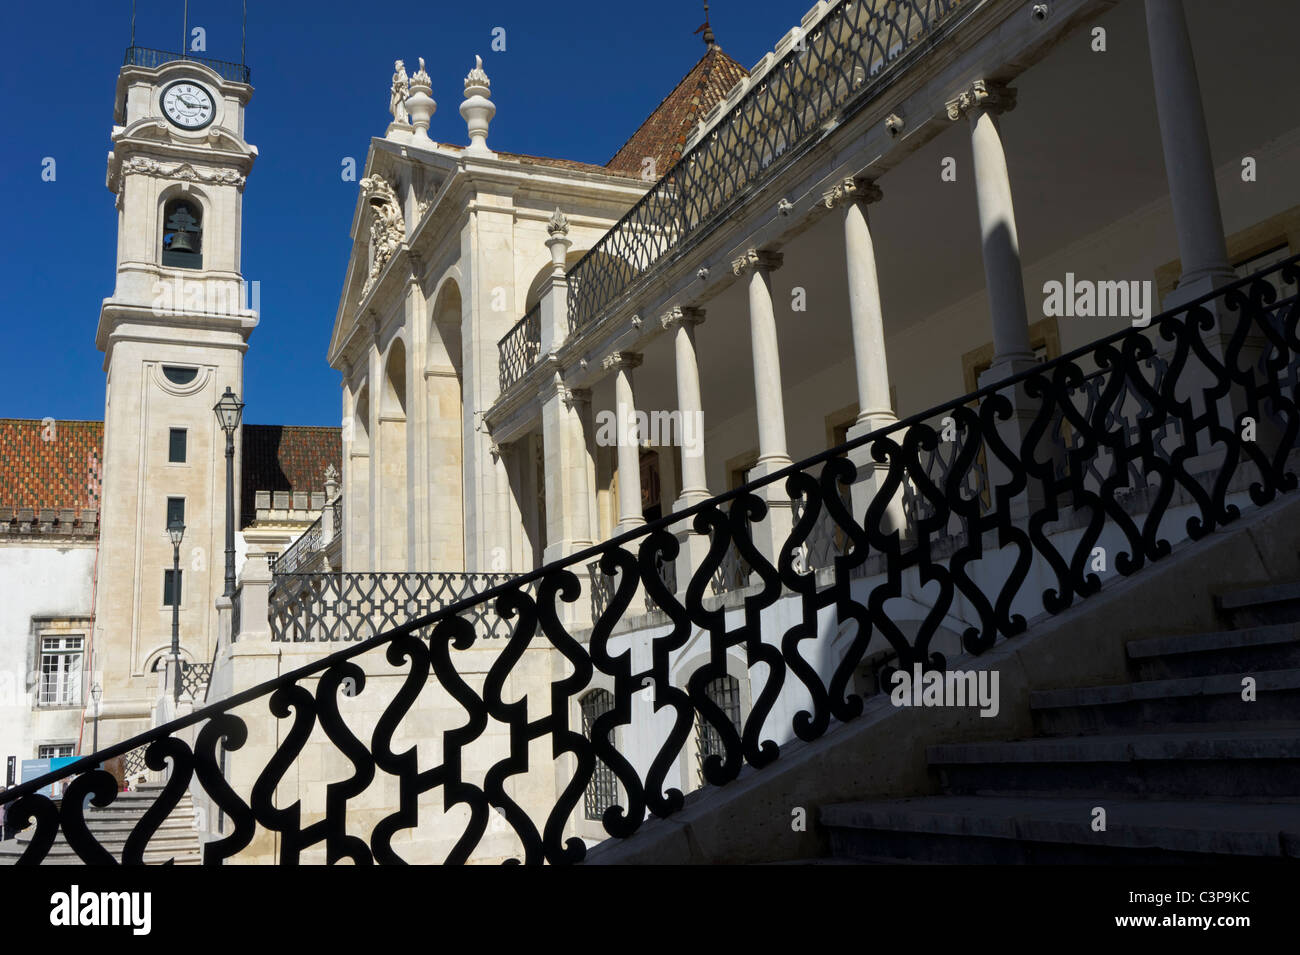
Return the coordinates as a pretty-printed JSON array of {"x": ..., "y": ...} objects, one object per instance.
[{"x": 173, "y": 336}]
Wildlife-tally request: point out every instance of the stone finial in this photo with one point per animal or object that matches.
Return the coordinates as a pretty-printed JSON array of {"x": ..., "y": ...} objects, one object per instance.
[
  {"x": 757, "y": 259},
  {"x": 558, "y": 241},
  {"x": 557, "y": 224},
  {"x": 331, "y": 474},
  {"x": 421, "y": 106},
  {"x": 987, "y": 95},
  {"x": 477, "y": 109},
  {"x": 855, "y": 190}
]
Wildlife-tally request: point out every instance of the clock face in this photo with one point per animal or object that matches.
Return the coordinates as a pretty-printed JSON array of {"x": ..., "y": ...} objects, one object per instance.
[{"x": 188, "y": 105}]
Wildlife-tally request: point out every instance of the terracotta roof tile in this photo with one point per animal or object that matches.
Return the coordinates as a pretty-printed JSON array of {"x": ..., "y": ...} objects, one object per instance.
[
  {"x": 49, "y": 463},
  {"x": 663, "y": 134},
  {"x": 285, "y": 458}
]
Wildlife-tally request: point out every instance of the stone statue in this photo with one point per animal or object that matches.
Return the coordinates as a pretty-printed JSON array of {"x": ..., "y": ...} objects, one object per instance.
[{"x": 397, "y": 97}]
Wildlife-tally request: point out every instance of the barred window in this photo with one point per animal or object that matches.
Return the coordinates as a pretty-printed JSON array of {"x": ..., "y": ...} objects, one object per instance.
[
  {"x": 60, "y": 671},
  {"x": 602, "y": 790},
  {"x": 173, "y": 580},
  {"x": 176, "y": 445},
  {"x": 724, "y": 692},
  {"x": 54, "y": 751}
]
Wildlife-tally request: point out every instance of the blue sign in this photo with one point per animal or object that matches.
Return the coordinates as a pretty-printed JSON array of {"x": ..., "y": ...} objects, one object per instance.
[{"x": 35, "y": 768}]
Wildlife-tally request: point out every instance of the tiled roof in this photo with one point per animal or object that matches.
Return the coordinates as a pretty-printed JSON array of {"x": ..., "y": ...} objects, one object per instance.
[
  {"x": 285, "y": 458},
  {"x": 50, "y": 464},
  {"x": 664, "y": 132}
]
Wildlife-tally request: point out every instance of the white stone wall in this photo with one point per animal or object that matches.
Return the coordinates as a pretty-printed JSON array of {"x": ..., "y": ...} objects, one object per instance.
[{"x": 40, "y": 579}]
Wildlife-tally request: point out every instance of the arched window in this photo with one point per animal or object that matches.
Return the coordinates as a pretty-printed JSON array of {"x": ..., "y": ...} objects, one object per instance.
[
  {"x": 724, "y": 692},
  {"x": 602, "y": 791},
  {"x": 182, "y": 243}
]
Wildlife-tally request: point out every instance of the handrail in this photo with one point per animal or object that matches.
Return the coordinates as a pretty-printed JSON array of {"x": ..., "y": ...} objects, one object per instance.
[
  {"x": 519, "y": 348},
  {"x": 1263, "y": 308},
  {"x": 152, "y": 59}
]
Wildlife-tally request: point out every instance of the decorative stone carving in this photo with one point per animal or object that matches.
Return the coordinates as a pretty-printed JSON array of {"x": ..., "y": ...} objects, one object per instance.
[
  {"x": 757, "y": 259},
  {"x": 785, "y": 207},
  {"x": 894, "y": 123},
  {"x": 574, "y": 397},
  {"x": 702, "y": 273},
  {"x": 141, "y": 165},
  {"x": 987, "y": 95},
  {"x": 857, "y": 190},
  {"x": 421, "y": 105},
  {"x": 636, "y": 322},
  {"x": 397, "y": 95},
  {"x": 680, "y": 315},
  {"x": 557, "y": 224},
  {"x": 621, "y": 359},
  {"x": 477, "y": 109},
  {"x": 331, "y": 473},
  {"x": 387, "y": 225}
]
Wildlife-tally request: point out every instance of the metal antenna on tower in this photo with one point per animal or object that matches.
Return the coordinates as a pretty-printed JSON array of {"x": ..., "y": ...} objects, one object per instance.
[
  {"x": 243, "y": 35},
  {"x": 133, "y": 22},
  {"x": 185, "y": 27}
]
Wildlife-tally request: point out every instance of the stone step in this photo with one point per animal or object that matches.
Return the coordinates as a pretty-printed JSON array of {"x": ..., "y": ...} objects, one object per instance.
[
  {"x": 168, "y": 829},
  {"x": 1256, "y": 606},
  {"x": 1018, "y": 830},
  {"x": 1154, "y": 704},
  {"x": 1272, "y": 647},
  {"x": 1243, "y": 762},
  {"x": 191, "y": 857}
]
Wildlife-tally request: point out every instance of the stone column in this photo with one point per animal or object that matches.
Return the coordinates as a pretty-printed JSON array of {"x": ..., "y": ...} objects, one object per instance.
[
  {"x": 568, "y": 527},
  {"x": 629, "y": 447},
  {"x": 1189, "y": 166},
  {"x": 1013, "y": 353},
  {"x": 981, "y": 104},
  {"x": 681, "y": 322},
  {"x": 771, "y": 533},
  {"x": 870, "y": 363}
]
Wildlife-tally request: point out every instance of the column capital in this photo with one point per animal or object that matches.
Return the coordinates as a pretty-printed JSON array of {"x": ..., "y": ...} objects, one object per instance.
[
  {"x": 851, "y": 189},
  {"x": 621, "y": 360},
  {"x": 573, "y": 397},
  {"x": 682, "y": 315},
  {"x": 990, "y": 96},
  {"x": 757, "y": 259}
]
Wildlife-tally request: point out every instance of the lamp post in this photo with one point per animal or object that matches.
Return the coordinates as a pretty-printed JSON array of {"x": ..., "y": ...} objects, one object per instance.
[
  {"x": 96, "y": 691},
  {"x": 176, "y": 531},
  {"x": 228, "y": 411}
]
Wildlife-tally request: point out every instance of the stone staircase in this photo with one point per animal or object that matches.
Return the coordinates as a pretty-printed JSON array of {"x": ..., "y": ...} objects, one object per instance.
[
  {"x": 1185, "y": 769},
  {"x": 176, "y": 839}
]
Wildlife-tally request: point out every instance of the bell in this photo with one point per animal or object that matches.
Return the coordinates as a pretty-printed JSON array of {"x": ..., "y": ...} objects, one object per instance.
[{"x": 181, "y": 242}]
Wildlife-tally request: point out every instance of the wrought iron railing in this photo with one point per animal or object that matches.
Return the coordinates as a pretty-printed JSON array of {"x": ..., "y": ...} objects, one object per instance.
[
  {"x": 152, "y": 59},
  {"x": 336, "y": 508},
  {"x": 519, "y": 348},
  {"x": 494, "y": 713},
  {"x": 346, "y": 607},
  {"x": 300, "y": 553},
  {"x": 858, "y": 46}
]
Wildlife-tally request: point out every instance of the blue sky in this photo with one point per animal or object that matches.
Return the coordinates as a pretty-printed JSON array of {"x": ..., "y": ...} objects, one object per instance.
[{"x": 575, "y": 80}]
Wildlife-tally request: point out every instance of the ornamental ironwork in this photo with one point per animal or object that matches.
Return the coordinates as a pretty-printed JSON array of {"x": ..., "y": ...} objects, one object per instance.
[
  {"x": 301, "y": 553},
  {"x": 152, "y": 59},
  {"x": 346, "y": 607},
  {"x": 506, "y": 709},
  {"x": 857, "y": 47},
  {"x": 520, "y": 347}
]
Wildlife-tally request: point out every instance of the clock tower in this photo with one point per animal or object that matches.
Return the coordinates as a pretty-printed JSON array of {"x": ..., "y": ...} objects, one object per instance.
[{"x": 173, "y": 334}]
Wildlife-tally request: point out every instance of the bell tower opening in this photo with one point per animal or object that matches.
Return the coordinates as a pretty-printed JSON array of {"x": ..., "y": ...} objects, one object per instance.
[{"x": 182, "y": 241}]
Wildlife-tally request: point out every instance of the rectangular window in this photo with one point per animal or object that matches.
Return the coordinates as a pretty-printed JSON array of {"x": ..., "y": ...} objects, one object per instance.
[
  {"x": 54, "y": 751},
  {"x": 61, "y": 670},
  {"x": 176, "y": 446},
  {"x": 172, "y": 583},
  {"x": 175, "y": 510}
]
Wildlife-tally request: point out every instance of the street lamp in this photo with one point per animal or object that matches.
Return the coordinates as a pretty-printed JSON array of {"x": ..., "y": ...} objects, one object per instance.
[
  {"x": 176, "y": 531},
  {"x": 96, "y": 691},
  {"x": 228, "y": 411}
]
